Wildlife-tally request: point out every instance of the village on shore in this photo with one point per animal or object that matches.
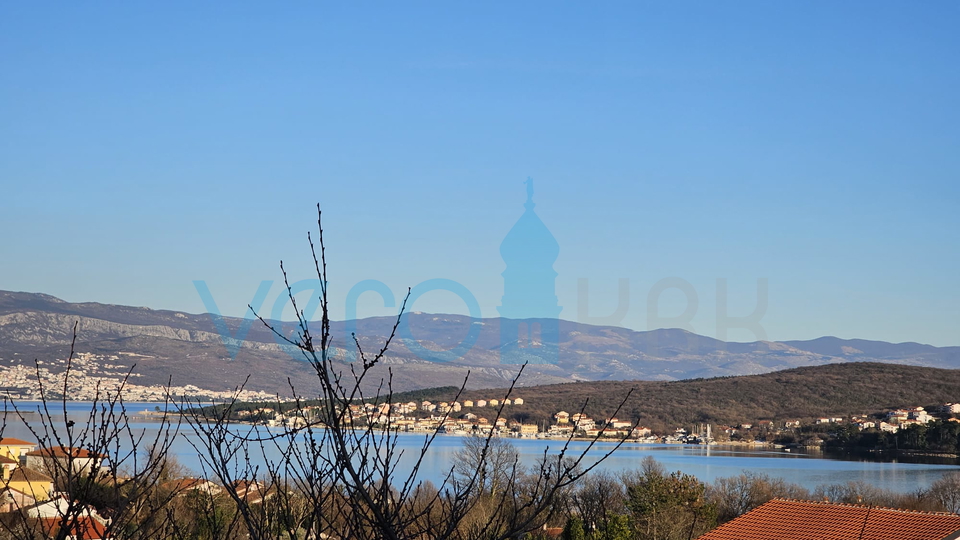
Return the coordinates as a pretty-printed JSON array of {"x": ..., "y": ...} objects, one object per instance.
[
  {"x": 470, "y": 417},
  {"x": 91, "y": 376}
]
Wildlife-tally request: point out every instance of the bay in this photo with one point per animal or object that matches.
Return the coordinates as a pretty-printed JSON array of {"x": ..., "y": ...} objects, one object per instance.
[{"x": 808, "y": 469}]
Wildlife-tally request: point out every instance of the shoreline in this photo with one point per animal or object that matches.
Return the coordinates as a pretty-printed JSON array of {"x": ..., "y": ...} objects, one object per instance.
[{"x": 894, "y": 452}]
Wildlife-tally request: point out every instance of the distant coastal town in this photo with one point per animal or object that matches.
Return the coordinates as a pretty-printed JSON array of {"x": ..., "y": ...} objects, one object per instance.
[
  {"x": 92, "y": 375},
  {"x": 498, "y": 417}
]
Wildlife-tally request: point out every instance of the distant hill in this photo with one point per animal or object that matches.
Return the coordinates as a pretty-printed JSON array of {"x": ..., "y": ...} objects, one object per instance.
[
  {"x": 795, "y": 394},
  {"x": 189, "y": 348}
]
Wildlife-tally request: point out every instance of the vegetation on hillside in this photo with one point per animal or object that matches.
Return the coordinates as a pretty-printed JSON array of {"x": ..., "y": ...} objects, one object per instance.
[
  {"x": 937, "y": 437},
  {"x": 795, "y": 394}
]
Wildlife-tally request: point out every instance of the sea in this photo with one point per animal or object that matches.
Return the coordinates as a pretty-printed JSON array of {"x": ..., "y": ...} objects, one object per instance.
[{"x": 806, "y": 468}]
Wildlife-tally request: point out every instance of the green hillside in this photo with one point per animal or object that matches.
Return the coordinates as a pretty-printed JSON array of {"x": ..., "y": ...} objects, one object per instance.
[{"x": 802, "y": 393}]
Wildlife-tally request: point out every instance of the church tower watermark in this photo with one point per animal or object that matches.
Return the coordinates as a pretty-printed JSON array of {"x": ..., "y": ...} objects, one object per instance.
[{"x": 530, "y": 311}]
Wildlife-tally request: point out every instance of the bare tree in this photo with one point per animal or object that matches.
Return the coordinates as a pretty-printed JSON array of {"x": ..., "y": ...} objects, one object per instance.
[
  {"x": 489, "y": 460},
  {"x": 338, "y": 475},
  {"x": 105, "y": 472},
  {"x": 946, "y": 491},
  {"x": 597, "y": 497},
  {"x": 737, "y": 495},
  {"x": 667, "y": 506}
]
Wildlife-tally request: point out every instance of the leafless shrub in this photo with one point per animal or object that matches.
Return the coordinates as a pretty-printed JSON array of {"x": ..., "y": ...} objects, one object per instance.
[
  {"x": 336, "y": 477},
  {"x": 106, "y": 474}
]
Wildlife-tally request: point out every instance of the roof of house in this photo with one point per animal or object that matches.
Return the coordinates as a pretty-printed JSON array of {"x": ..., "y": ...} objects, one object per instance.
[
  {"x": 23, "y": 474},
  {"x": 784, "y": 519},
  {"x": 65, "y": 451},
  {"x": 251, "y": 491},
  {"x": 4, "y": 460},
  {"x": 10, "y": 441},
  {"x": 185, "y": 484},
  {"x": 82, "y": 527}
]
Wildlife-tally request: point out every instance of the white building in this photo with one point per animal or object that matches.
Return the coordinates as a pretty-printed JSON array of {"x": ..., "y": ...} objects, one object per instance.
[{"x": 59, "y": 458}]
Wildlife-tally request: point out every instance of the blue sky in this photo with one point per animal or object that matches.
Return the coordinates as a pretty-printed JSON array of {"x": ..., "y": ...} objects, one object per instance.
[{"x": 145, "y": 146}]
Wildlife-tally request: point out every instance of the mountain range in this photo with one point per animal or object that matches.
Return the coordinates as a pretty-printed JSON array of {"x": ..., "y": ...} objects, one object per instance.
[{"x": 189, "y": 349}]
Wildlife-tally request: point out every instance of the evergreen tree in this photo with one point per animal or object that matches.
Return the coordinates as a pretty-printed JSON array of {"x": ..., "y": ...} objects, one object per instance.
[{"x": 573, "y": 530}]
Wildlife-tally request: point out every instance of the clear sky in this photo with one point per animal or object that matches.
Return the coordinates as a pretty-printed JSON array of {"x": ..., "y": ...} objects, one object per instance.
[{"x": 147, "y": 145}]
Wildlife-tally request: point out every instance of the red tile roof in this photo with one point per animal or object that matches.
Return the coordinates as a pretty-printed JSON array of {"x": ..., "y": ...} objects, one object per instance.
[
  {"x": 82, "y": 527},
  {"x": 23, "y": 474},
  {"x": 64, "y": 451},
  {"x": 10, "y": 441},
  {"x": 782, "y": 519}
]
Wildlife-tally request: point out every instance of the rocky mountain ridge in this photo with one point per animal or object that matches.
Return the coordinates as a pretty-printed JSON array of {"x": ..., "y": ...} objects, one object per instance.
[{"x": 189, "y": 348}]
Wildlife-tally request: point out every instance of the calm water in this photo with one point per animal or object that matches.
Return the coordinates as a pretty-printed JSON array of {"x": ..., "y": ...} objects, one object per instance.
[{"x": 706, "y": 463}]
